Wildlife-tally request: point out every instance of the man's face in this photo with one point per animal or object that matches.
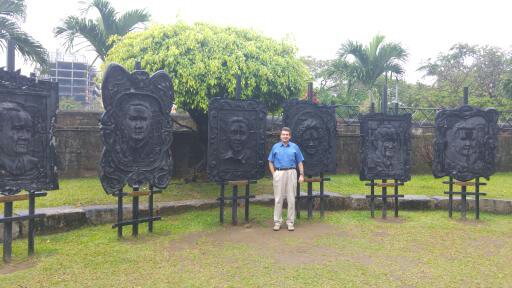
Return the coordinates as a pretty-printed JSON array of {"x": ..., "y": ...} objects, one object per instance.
[
  {"x": 285, "y": 136},
  {"x": 137, "y": 122},
  {"x": 17, "y": 133},
  {"x": 466, "y": 135},
  {"x": 238, "y": 133},
  {"x": 310, "y": 141},
  {"x": 388, "y": 148}
]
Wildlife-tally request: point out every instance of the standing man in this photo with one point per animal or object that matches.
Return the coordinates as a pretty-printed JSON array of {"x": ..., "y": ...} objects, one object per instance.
[{"x": 283, "y": 161}]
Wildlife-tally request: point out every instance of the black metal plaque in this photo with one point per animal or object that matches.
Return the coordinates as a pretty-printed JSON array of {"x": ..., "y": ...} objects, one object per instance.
[
  {"x": 465, "y": 144},
  {"x": 27, "y": 153},
  {"x": 385, "y": 146},
  {"x": 236, "y": 139},
  {"x": 136, "y": 129},
  {"x": 314, "y": 130}
]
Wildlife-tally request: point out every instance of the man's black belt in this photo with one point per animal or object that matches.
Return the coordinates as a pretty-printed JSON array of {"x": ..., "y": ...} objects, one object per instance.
[{"x": 283, "y": 169}]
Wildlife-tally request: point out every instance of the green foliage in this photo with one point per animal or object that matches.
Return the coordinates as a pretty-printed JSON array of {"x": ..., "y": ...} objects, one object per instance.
[
  {"x": 66, "y": 103},
  {"x": 366, "y": 64},
  {"x": 357, "y": 71},
  {"x": 102, "y": 32},
  {"x": 12, "y": 13},
  {"x": 204, "y": 61},
  {"x": 486, "y": 70}
]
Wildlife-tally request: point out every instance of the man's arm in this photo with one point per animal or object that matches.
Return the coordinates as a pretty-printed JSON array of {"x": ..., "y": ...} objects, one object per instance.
[
  {"x": 271, "y": 167},
  {"x": 301, "y": 171}
]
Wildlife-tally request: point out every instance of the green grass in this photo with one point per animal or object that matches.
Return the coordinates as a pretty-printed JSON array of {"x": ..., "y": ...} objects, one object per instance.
[
  {"x": 346, "y": 249},
  {"x": 88, "y": 191},
  {"x": 499, "y": 186}
]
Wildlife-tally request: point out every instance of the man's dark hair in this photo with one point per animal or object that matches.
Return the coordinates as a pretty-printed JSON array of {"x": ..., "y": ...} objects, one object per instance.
[{"x": 287, "y": 130}]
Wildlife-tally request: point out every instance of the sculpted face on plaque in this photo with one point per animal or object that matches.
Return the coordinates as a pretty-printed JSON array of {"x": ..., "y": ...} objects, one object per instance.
[
  {"x": 137, "y": 122},
  {"x": 238, "y": 133},
  {"x": 310, "y": 140},
  {"x": 387, "y": 145},
  {"x": 309, "y": 134},
  {"x": 17, "y": 127},
  {"x": 465, "y": 141}
]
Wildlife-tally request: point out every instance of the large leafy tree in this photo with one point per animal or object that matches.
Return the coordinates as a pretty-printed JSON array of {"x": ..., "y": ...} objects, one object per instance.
[
  {"x": 204, "y": 61},
  {"x": 12, "y": 13},
  {"x": 485, "y": 69},
  {"x": 100, "y": 33},
  {"x": 366, "y": 63}
]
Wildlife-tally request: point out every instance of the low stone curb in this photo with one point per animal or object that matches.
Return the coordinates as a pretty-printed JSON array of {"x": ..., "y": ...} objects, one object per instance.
[{"x": 65, "y": 218}]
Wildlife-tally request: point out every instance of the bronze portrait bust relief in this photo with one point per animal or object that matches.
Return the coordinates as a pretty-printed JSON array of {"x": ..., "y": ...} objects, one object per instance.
[
  {"x": 136, "y": 129},
  {"x": 385, "y": 146},
  {"x": 314, "y": 131},
  {"x": 465, "y": 145},
  {"x": 27, "y": 153},
  {"x": 236, "y": 139}
]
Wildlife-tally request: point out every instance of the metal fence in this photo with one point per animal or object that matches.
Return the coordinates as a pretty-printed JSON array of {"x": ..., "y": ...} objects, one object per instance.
[{"x": 421, "y": 117}]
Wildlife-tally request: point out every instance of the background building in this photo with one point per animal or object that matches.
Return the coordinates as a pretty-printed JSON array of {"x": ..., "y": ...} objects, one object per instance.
[{"x": 75, "y": 77}]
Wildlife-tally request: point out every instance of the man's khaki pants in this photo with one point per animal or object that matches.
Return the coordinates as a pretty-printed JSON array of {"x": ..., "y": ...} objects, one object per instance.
[{"x": 285, "y": 185}]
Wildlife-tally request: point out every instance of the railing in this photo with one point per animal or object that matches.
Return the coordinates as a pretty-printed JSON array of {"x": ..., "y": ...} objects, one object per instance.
[{"x": 421, "y": 117}]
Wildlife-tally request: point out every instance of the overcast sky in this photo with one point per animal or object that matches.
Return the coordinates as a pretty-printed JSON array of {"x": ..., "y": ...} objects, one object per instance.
[{"x": 318, "y": 28}]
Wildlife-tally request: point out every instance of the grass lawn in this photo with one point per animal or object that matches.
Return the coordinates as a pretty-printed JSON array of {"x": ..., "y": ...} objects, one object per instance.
[
  {"x": 346, "y": 249},
  {"x": 88, "y": 191}
]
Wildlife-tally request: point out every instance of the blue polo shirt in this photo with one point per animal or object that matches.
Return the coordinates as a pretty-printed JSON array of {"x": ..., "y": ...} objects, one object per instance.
[{"x": 288, "y": 156}]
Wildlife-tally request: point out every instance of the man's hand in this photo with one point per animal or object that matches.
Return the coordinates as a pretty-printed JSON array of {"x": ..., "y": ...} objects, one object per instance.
[{"x": 301, "y": 179}]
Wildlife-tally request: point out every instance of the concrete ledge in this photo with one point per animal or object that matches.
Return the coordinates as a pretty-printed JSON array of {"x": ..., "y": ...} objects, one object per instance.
[{"x": 65, "y": 218}]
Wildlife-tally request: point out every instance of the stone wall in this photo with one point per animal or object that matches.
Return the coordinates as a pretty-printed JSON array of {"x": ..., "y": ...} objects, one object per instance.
[{"x": 79, "y": 146}]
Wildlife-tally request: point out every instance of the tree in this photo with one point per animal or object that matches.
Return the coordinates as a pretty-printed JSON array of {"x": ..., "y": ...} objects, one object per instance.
[
  {"x": 366, "y": 64},
  {"x": 12, "y": 13},
  {"x": 204, "y": 61},
  {"x": 101, "y": 33},
  {"x": 484, "y": 69}
]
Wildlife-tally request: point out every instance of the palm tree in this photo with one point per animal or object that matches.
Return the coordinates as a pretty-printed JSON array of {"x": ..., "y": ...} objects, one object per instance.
[
  {"x": 99, "y": 33},
  {"x": 372, "y": 61},
  {"x": 12, "y": 13}
]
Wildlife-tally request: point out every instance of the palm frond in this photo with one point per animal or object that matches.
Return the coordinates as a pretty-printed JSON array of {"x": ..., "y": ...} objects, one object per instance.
[
  {"x": 108, "y": 15},
  {"x": 356, "y": 50},
  {"x": 74, "y": 27},
  {"x": 375, "y": 44},
  {"x": 13, "y": 8},
  {"x": 27, "y": 46},
  {"x": 130, "y": 19},
  {"x": 7, "y": 27}
]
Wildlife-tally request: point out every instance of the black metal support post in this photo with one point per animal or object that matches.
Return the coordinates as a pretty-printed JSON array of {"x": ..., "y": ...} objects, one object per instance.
[
  {"x": 310, "y": 199},
  {"x": 135, "y": 213},
  {"x": 234, "y": 206},
  {"x": 463, "y": 202},
  {"x": 466, "y": 96},
  {"x": 247, "y": 195},
  {"x": 372, "y": 198},
  {"x": 384, "y": 199},
  {"x": 120, "y": 214},
  {"x": 322, "y": 195},
  {"x": 221, "y": 203},
  {"x": 384, "y": 100},
  {"x": 477, "y": 198},
  {"x": 150, "y": 207},
  {"x": 31, "y": 224},
  {"x": 7, "y": 232},
  {"x": 450, "y": 197},
  {"x": 396, "y": 197}
]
